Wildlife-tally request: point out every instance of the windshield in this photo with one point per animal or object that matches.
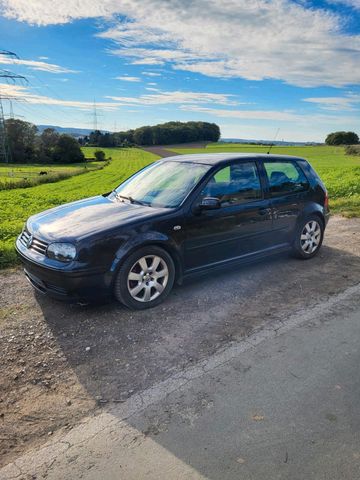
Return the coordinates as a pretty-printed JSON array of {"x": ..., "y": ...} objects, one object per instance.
[{"x": 162, "y": 184}]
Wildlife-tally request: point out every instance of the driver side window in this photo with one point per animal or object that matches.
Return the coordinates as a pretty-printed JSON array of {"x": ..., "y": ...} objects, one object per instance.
[{"x": 234, "y": 184}]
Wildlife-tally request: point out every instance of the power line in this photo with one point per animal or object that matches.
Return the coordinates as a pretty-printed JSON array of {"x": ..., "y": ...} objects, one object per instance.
[
  {"x": 95, "y": 124},
  {"x": 10, "y": 77},
  {"x": 5, "y": 154}
]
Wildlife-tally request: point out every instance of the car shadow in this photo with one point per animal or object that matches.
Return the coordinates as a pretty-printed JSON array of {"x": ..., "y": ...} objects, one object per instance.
[{"x": 116, "y": 352}]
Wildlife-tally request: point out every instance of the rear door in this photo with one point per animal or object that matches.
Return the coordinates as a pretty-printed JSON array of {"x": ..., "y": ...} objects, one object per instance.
[
  {"x": 288, "y": 190},
  {"x": 241, "y": 226}
]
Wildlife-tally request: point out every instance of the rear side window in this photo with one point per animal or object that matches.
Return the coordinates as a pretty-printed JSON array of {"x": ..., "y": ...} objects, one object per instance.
[{"x": 285, "y": 177}]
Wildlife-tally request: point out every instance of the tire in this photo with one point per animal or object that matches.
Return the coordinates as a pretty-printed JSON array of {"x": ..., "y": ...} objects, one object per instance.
[
  {"x": 145, "y": 278},
  {"x": 309, "y": 236}
]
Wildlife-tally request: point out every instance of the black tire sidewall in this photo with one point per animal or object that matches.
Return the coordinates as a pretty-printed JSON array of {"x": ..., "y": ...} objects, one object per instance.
[
  {"x": 297, "y": 250},
  {"x": 120, "y": 288}
]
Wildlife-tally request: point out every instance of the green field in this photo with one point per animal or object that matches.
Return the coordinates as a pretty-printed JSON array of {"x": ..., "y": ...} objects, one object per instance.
[
  {"x": 340, "y": 172},
  {"x": 17, "y": 205},
  {"x": 24, "y": 175}
]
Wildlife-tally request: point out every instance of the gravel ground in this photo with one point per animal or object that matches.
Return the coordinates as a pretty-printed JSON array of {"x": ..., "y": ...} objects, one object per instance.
[{"x": 62, "y": 362}]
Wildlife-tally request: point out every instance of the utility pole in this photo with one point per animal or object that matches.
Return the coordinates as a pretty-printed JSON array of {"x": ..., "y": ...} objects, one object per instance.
[
  {"x": 5, "y": 152},
  {"x": 11, "y": 115},
  {"x": 95, "y": 115}
]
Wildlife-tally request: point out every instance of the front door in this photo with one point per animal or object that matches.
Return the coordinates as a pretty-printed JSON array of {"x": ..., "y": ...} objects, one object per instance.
[{"x": 240, "y": 227}]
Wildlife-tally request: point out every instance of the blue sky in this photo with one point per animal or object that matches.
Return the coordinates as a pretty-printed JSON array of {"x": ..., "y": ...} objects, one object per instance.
[{"x": 251, "y": 67}]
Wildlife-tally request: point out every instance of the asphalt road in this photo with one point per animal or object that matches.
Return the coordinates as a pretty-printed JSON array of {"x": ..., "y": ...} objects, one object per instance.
[
  {"x": 61, "y": 364},
  {"x": 282, "y": 405}
]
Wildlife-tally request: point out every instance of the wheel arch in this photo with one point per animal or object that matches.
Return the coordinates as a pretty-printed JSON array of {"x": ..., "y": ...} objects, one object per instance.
[
  {"x": 311, "y": 209},
  {"x": 164, "y": 243}
]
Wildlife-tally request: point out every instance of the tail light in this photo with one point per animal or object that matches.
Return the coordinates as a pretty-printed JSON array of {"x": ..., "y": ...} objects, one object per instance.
[{"x": 326, "y": 201}]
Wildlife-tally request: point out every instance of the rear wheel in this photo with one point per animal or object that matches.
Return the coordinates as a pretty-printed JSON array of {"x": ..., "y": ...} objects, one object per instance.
[
  {"x": 145, "y": 279},
  {"x": 308, "y": 237}
]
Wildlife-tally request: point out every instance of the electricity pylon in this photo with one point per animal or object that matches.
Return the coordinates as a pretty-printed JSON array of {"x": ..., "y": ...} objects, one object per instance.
[{"x": 10, "y": 77}]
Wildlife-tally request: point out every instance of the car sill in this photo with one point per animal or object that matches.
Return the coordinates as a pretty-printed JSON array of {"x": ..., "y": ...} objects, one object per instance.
[{"x": 246, "y": 256}]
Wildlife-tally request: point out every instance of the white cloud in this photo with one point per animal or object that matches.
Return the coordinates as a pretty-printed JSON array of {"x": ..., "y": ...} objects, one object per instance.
[
  {"x": 266, "y": 115},
  {"x": 43, "y": 58},
  {"x": 335, "y": 103},
  {"x": 129, "y": 79},
  {"x": 177, "y": 97},
  {"x": 35, "y": 65},
  {"x": 23, "y": 94},
  {"x": 266, "y": 39},
  {"x": 274, "y": 115},
  {"x": 151, "y": 74}
]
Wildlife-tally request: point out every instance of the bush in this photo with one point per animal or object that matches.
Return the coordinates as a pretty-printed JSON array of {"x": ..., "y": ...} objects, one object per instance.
[
  {"x": 342, "y": 138},
  {"x": 352, "y": 150},
  {"x": 100, "y": 156}
]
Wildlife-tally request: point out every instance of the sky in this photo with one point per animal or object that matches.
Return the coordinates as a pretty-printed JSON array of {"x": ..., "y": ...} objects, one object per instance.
[{"x": 253, "y": 67}]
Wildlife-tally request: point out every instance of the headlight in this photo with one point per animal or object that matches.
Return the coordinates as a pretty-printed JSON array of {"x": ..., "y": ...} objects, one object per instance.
[{"x": 64, "y": 252}]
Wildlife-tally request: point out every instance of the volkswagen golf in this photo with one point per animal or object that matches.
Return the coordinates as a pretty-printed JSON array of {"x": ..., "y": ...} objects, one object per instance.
[{"x": 175, "y": 218}]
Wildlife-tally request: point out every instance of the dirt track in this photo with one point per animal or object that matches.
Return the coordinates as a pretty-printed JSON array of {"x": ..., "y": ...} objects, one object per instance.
[
  {"x": 167, "y": 152},
  {"x": 62, "y": 362}
]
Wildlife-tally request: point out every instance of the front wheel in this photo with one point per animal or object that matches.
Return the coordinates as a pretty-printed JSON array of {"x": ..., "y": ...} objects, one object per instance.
[
  {"x": 308, "y": 237},
  {"x": 145, "y": 278}
]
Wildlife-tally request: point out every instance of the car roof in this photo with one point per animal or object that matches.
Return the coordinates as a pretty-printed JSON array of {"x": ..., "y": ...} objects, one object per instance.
[{"x": 218, "y": 158}]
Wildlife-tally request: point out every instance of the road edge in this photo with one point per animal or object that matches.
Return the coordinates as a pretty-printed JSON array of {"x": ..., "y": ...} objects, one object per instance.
[{"x": 32, "y": 461}]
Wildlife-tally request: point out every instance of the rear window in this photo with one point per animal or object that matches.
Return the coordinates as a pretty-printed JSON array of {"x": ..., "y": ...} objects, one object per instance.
[{"x": 285, "y": 177}]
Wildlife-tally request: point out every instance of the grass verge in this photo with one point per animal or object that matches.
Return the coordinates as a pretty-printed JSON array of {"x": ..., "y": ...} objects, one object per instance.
[
  {"x": 339, "y": 171},
  {"x": 18, "y": 204},
  {"x": 24, "y": 176}
]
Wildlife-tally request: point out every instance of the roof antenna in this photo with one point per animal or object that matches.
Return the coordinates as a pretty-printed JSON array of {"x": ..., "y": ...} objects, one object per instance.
[{"x": 272, "y": 144}]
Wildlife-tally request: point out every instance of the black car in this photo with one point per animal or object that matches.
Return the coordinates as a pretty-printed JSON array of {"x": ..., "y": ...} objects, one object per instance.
[{"x": 175, "y": 218}]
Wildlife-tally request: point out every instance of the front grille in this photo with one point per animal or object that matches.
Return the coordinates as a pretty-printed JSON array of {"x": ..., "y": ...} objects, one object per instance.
[{"x": 36, "y": 245}]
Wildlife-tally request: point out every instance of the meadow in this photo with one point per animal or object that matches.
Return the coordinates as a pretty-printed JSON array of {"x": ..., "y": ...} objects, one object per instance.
[
  {"x": 24, "y": 175},
  {"x": 340, "y": 172},
  {"x": 17, "y": 205}
]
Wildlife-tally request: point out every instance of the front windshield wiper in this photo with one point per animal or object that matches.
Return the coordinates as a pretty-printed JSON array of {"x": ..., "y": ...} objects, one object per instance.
[
  {"x": 131, "y": 200},
  {"x": 128, "y": 197}
]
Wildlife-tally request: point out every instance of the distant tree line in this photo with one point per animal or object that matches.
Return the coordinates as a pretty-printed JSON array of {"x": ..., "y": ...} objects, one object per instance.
[
  {"x": 342, "y": 138},
  {"x": 162, "y": 134},
  {"x": 26, "y": 146}
]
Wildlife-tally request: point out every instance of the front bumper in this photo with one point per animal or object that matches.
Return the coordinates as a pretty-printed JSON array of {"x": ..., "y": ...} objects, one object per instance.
[{"x": 67, "y": 285}]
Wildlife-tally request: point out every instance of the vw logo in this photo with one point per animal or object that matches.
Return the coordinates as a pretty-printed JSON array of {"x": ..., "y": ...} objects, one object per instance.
[{"x": 29, "y": 241}]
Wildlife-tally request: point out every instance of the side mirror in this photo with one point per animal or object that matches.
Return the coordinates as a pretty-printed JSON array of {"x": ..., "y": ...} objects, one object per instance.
[{"x": 210, "y": 203}]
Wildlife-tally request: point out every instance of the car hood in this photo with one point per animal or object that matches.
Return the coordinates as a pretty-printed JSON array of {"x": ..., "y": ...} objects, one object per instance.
[{"x": 75, "y": 220}]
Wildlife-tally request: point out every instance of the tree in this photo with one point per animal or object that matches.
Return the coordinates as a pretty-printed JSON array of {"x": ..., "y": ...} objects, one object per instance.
[
  {"x": 143, "y": 136},
  {"x": 21, "y": 136},
  {"x": 49, "y": 138},
  {"x": 99, "y": 155},
  {"x": 94, "y": 137},
  {"x": 106, "y": 140},
  {"x": 162, "y": 134},
  {"x": 67, "y": 150},
  {"x": 342, "y": 138},
  {"x": 46, "y": 144}
]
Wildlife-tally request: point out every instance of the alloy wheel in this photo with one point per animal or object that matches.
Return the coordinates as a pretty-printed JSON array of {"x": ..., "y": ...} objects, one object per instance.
[
  {"x": 310, "y": 237},
  {"x": 147, "y": 278}
]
